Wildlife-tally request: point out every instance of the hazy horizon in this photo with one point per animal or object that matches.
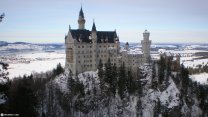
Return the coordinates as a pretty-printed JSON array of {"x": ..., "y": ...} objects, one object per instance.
[
  {"x": 120, "y": 42},
  {"x": 48, "y": 21}
]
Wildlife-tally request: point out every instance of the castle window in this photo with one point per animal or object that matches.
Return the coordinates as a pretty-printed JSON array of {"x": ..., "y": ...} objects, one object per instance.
[
  {"x": 78, "y": 46},
  {"x": 78, "y": 52},
  {"x": 82, "y": 46},
  {"x": 84, "y": 56},
  {"x": 90, "y": 46},
  {"x": 100, "y": 46},
  {"x": 78, "y": 61},
  {"x": 78, "y": 56},
  {"x": 104, "y": 46}
]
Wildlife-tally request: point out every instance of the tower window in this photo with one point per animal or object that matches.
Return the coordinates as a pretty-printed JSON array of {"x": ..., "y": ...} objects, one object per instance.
[{"x": 82, "y": 46}]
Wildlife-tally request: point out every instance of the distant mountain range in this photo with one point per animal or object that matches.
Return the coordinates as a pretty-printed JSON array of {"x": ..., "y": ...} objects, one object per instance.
[
  {"x": 7, "y": 47},
  {"x": 4, "y": 43},
  {"x": 19, "y": 46}
]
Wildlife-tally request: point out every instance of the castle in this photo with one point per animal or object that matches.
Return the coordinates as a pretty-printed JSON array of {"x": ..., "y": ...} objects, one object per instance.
[{"x": 85, "y": 48}]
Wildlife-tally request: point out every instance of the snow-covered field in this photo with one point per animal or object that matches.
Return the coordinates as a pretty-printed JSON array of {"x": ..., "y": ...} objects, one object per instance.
[
  {"x": 202, "y": 78},
  {"x": 191, "y": 62},
  {"x": 34, "y": 62},
  {"x": 194, "y": 63}
]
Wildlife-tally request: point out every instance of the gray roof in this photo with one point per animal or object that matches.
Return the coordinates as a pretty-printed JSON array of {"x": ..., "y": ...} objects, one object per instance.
[{"x": 107, "y": 36}]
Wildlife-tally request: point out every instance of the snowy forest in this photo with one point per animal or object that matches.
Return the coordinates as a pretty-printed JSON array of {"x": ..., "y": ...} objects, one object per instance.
[{"x": 156, "y": 90}]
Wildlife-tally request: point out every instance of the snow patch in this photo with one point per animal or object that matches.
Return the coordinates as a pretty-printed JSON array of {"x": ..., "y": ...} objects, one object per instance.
[
  {"x": 202, "y": 78},
  {"x": 170, "y": 96}
]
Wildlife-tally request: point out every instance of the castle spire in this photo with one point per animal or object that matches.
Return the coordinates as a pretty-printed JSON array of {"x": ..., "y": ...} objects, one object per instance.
[
  {"x": 81, "y": 14},
  {"x": 81, "y": 20},
  {"x": 93, "y": 26}
]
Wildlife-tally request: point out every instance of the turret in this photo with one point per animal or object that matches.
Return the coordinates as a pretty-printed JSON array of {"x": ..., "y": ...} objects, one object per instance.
[
  {"x": 94, "y": 33},
  {"x": 81, "y": 20},
  {"x": 146, "y": 35},
  {"x": 127, "y": 46},
  {"x": 70, "y": 55}
]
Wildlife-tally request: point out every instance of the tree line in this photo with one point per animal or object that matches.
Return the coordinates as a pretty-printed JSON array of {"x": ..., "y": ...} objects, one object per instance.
[{"x": 25, "y": 94}]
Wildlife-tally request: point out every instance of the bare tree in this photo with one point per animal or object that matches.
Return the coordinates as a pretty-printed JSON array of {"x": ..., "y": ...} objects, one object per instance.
[{"x": 2, "y": 16}]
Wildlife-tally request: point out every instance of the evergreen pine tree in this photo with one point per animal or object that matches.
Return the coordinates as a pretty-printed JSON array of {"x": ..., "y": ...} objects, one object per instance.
[
  {"x": 114, "y": 80},
  {"x": 122, "y": 81},
  {"x": 131, "y": 84},
  {"x": 23, "y": 98},
  {"x": 154, "y": 81},
  {"x": 101, "y": 74},
  {"x": 184, "y": 78},
  {"x": 161, "y": 70}
]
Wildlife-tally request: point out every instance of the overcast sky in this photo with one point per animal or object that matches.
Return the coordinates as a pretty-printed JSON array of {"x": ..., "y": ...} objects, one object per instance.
[{"x": 46, "y": 21}]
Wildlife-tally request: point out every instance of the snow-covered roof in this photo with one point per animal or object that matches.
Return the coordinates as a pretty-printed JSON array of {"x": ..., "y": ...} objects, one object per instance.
[
  {"x": 134, "y": 52},
  {"x": 111, "y": 48}
]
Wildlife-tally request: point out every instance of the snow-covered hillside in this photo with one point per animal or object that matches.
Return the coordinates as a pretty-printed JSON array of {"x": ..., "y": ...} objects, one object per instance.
[
  {"x": 21, "y": 47},
  {"x": 96, "y": 104}
]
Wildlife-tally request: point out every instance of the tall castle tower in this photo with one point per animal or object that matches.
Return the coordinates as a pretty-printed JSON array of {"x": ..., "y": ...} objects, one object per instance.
[
  {"x": 94, "y": 46},
  {"x": 81, "y": 20},
  {"x": 146, "y": 46},
  {"x": 70, "y": 51}
]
